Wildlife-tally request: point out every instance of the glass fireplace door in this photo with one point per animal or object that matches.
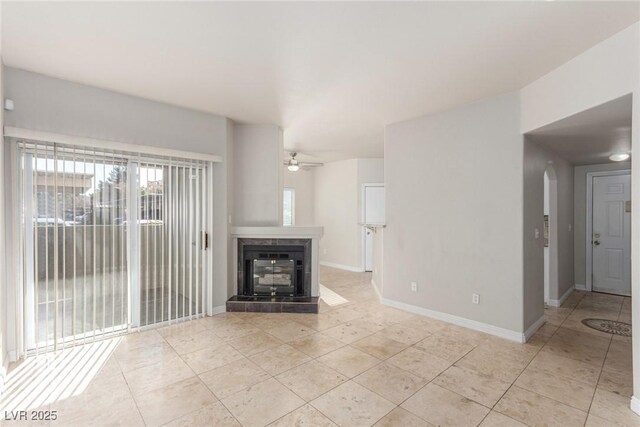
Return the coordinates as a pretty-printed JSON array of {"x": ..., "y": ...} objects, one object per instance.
[{"x": 273, "y": 277}]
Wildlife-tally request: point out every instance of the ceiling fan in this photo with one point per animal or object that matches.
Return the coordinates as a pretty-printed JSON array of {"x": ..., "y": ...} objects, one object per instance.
[{"x": 294, "y": 165}]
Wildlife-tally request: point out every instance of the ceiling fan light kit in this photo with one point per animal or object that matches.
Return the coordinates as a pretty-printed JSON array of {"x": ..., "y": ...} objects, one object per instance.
[{"x": 294, "y": 165}]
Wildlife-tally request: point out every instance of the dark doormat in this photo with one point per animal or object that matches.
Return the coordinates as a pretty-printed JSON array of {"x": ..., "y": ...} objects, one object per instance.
[{"x": 609, "y": 326}]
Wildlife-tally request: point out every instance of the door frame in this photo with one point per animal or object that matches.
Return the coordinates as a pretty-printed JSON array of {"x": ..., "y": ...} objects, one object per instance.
[
  {"x": 551, "y": 273},
  {"x": 589, "y": 221},
  {"x": 363, "y": 234}
]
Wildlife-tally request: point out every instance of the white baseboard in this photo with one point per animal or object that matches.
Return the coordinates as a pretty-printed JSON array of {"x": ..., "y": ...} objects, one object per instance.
[
  {"x": 534, "y": 327},
  {"x": 456, "y": 320},
  {"x": 342, "y": 266},
  {"x": 219, "y": 309},
  {"x": 635, "y": 405},
  {"x": 580, "y": 287},
  {"x": 558, "y": 302},
  {"x": 376, "y": 290}
]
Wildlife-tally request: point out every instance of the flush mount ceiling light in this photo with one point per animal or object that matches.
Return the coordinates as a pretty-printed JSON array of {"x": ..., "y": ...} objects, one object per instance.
[
  {"x": 293, "y": 163},
  {"x": 619, "y": 157}
]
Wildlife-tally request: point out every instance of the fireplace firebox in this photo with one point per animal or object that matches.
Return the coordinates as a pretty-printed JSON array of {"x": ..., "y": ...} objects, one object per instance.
[
  {"x": 274, "y": 271},
  {"x": 274, "y": 267}
]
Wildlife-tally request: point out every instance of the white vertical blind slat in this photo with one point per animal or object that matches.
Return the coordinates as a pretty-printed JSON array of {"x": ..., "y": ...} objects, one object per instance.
[
  {"x": 169, "y": 210},
  {"x": 163, "y": 232},
  {"x": 94, "y": 257},
  {"x": 190, "y": 241},
  {"x": 154, "y": 227},
  {"x": 103, "y": 247},
  {"x": 56, "y": 217},
  {"x": 64, "y": 258},
  {"x": 197, "y": 235},
  {"x": 36, "y": 233},
  {"x": 75, "y": 251},
  {"x": 112, "y": 266}
]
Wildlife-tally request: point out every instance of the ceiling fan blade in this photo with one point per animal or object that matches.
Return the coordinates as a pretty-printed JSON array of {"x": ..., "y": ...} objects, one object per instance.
[{"x": 305, "y": 164}]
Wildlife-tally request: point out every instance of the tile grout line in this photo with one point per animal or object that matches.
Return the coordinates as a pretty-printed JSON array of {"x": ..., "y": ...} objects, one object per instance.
[
  {"x": 532, "y": 359},
  {"x": 245, "y": 357},
  {"x": 380, "y": 361},
  {"x": 202, "y": 382},
  {"x": 364, "y": 314},
  {"x": 602, "y": 367},
  {"x": 278, "y": 381},
  {"x": 599, "y": 376},
  {"x": 428, "y": 382},
  {"x": 574, "y": 308}
]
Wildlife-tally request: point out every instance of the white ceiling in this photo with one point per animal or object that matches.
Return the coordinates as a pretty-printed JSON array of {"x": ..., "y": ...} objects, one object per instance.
[
  {"x": 590, "y": 136},
  {"x": 331, "y": 74}
]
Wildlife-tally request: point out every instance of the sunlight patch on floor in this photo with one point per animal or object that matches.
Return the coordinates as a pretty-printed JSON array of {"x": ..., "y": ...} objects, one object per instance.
[
  {"x": 331, "y": 298},
  {"x": 47, "y": 378}
]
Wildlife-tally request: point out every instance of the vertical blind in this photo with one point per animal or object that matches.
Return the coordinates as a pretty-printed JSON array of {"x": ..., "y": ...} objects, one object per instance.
[
  {"x": 110, "y": 241},
  {"x": 171, "y": 213}
]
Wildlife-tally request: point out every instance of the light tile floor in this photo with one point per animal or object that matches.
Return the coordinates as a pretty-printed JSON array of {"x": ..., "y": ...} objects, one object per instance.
[{"x": 355, "y": 364}]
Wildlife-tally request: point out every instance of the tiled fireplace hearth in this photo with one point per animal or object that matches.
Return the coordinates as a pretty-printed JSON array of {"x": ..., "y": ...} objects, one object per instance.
[{"x": 276, "y": 269}]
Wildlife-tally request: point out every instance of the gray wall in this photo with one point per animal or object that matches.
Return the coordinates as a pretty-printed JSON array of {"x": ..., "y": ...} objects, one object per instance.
[
  {"x": 54, "y": 105},
  {"x": 258, "y": 176},
  {"x": 454, "y": 212},
  {"x": 336, "y": 209},
  {"x": 580, "y": 215},
  {"x": 48, "y": 104},
  {"x": 536, "y": 160},
  {"x": 303, "y": 183},
  {"x": 223, "y": 219}
]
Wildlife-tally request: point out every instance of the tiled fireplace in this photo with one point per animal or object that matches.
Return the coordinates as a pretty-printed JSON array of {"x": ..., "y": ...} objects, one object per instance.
[{"x": 276, "y": 269}]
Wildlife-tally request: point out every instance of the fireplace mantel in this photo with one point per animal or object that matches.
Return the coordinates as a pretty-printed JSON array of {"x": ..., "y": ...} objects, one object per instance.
[{"x": 293, "y": 232}]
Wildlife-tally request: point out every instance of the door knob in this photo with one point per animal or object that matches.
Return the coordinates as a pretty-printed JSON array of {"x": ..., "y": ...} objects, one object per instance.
[{"x": 596, "y": 243}]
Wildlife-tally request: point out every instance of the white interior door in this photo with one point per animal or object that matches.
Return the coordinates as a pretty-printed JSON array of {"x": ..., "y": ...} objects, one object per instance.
[
  {"x": 373, "y": 204},
  {"x": 546, "y": 246},
  {"x": 611, "y": 239}
]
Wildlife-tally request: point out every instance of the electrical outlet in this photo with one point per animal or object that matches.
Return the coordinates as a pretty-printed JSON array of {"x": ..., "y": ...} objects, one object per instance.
[
  {"x": 414, "y": 286},
  {"x": 324, "y": 251},
  {"x": 475, "y": 299}
]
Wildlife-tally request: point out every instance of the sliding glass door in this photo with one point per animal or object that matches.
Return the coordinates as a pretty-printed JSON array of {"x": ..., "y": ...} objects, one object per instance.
[
  {"x": 170, "y": 238},
  {"x": 110, "y": 242}
]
